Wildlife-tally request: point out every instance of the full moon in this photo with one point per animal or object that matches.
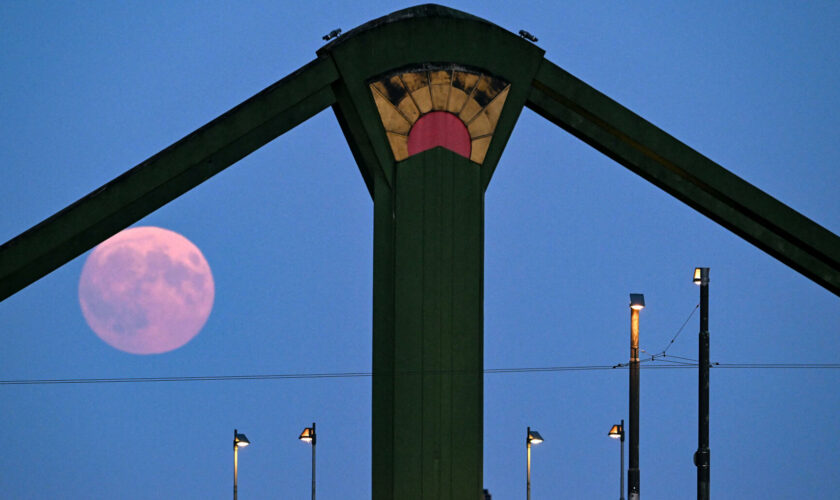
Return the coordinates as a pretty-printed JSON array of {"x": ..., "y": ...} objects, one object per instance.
[{"x": 146, "y": 290}]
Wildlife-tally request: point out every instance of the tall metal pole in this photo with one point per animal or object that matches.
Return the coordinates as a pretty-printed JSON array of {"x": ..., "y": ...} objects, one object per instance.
[
  {"x": 314, "y": 438},
  {"x": 235, "y": 464},
  {"x": 621, "y": 482},
  {"x": 528, "y": 446},
  {"x": 633, "y": 471},
  {"x": 703, "y": 455}
]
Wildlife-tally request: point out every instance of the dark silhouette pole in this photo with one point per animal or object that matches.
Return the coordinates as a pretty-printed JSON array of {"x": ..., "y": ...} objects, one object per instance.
[
  {"x": 637, "y": 303},
  {"x": 703, "y": 455},
  {"x": 314, "y": 438},
  {"x": 621, "y": 474},
  {"x": 308, "y": 436},
  {"x": 239, "y": 441},
  {"x": 235, "y": 463},
  {"x": 535, "y": 438},
  {"x": 617, "y": 432}
]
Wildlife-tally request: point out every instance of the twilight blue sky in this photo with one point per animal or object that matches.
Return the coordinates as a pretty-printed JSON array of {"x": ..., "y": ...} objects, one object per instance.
[{"x": 90, "y": 89}]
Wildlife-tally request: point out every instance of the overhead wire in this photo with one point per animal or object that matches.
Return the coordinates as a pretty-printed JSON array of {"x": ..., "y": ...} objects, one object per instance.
[
  {"x": 333, "y": 375},
  {"x": 674, "y": 338},
  {"x": 670, "y": 362},
  {"x": 664, "y": 351}
]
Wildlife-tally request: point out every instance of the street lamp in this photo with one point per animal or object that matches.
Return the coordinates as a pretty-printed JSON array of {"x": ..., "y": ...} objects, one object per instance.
[
  {"x": 535, "y": 438},
  {"x": 637, "y": 303},
  {"x": 239, "y": 441},
  {"x": 702, "y": 456},
  {"x": 617, "y": 432},
  {"x": 308, "y": 436}
]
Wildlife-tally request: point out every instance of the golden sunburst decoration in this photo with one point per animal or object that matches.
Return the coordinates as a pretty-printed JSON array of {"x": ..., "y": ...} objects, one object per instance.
[{"x": 475, "y": 98}]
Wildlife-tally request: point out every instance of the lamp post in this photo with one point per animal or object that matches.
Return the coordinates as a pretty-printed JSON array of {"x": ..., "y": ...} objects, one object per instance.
[
  {"x": 617, "y": 432},
  {"x": 702, "y": 455},
  {"x": 239, "y": 441},
  {"x": 535, "y": 438},
  {"x": 308, "y": 436},
  {"x": 637, "y": 303}
]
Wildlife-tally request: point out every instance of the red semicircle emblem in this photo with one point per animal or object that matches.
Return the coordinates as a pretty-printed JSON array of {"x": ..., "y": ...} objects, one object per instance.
[{"x": 439, "y": 128}]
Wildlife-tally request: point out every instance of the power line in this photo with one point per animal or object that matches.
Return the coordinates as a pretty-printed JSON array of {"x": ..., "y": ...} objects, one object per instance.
[
  {"x": 682, "y": 362},
  {"x": 682, "y": 358},
  {"x": 489, "y": 371},
  {"x": 813, "y": 366},
  {"x": 674, "y": 338},
  {"x": 208, "y": 378}
]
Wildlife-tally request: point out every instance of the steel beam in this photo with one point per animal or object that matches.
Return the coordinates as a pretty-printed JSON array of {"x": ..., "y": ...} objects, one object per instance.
[
  {"x": 166, "y": 175},
  {"x": 687, "y": 175},
  {"x": 428, "y": 409}
]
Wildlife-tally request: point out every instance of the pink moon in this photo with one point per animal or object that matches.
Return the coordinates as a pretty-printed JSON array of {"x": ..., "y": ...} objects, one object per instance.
[{"x": 146, "y": 290}]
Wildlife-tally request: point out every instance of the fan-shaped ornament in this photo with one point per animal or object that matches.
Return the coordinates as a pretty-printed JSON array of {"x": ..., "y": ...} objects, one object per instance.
[{"x": 448, "y": 106}]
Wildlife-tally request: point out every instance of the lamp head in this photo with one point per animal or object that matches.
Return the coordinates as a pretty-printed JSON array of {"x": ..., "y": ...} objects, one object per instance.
[
  {"x": 701, "y": 275},
  {"x": 617, "y": 431},
  {"x": 534, "y": 437},
  {"x": 308, "y": 435},
  {"x": 239, "y": 440},
  {"x": 637, "y": 301}
]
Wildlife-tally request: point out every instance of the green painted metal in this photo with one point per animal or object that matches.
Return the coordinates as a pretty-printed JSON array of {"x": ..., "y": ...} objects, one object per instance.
[
  {"x": 375, "y": 48},
  {"x": 382, "y": 436},
  {"x": 414, "y": 37},
  {"x": 166, "y": 175},
  {"x": 428, "y": 251},
  {"x": 437, "y": 332},
  {"x": 687, "y": 175}
]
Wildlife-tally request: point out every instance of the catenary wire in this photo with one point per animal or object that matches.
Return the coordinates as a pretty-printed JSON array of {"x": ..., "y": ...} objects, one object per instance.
[
  {"x": 674, "y": 338},
  {"x": 489, "y": 371}
]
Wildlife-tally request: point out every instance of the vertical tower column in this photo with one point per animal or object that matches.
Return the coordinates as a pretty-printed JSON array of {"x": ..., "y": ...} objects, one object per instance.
[{"x": 428, "y": 330}]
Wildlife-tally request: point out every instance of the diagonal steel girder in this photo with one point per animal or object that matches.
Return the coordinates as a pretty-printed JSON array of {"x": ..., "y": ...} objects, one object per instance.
[
  {"x": 687, "y": 175},
  {"x": 555, "y": 94},
  {"x": 166, "y": 175}
]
